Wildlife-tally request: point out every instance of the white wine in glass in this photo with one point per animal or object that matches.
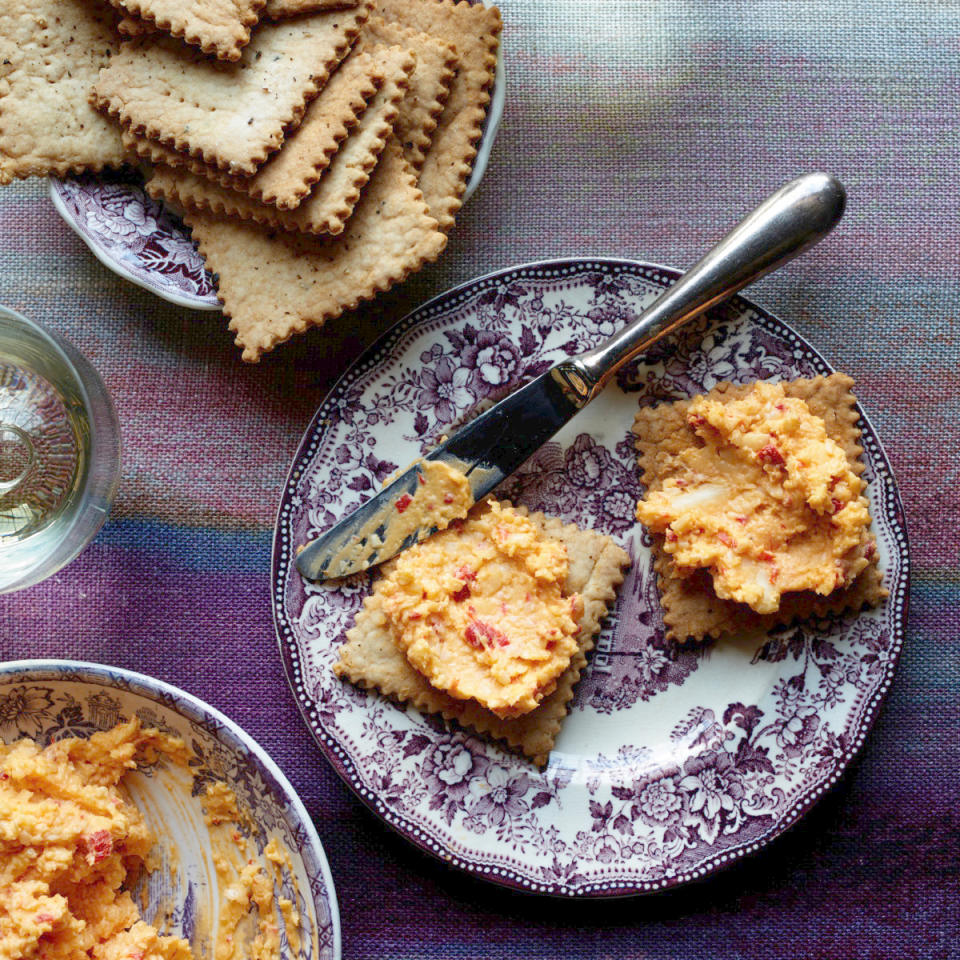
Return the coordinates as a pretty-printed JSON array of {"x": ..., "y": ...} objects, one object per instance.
[{"x": 59, "y": 452}]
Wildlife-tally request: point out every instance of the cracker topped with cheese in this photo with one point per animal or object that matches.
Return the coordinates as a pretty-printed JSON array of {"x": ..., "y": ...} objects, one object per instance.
[
  {"x": 480, "y": 610},
  {"x": 765, "y": 500},
  {"x": 755, "y": 502},
  {"x": 372, "y": 658}
]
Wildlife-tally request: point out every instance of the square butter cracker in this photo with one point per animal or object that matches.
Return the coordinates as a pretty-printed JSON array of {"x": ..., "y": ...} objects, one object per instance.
[
  {"x": 274, "y": 285},
  {"x": 288, "y": 175},
  {"x": 371, "y": 659},
  {"x": 691, "y": 609},
  {"x": 429, "y": 86},
  {"x": 474, "y": 29},
  {"x": 217, "y": 27},
  {"x": 327, "y": 209},
  {"x": 278, "y": 9},
  {"x": 230, "y": 115},
  {"x": 51, "y": 51}
]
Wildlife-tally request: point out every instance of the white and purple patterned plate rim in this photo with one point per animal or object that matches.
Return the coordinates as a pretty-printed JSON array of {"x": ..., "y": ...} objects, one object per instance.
[
  {"x": 423, "y": 834},
  {"x": 140, "y": 240},
  {"x": 221, "y": 728}
]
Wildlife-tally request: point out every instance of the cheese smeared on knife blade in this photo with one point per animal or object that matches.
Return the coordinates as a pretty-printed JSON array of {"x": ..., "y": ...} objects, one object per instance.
[{"x": 442, "y": 495}]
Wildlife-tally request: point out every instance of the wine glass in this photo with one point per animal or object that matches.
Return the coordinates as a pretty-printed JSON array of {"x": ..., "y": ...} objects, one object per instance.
[{"x": 59, "y": 452}]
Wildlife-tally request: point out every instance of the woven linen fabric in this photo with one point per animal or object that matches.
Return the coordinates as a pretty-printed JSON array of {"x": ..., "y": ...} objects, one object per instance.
[{"x": 634, "y": 128}]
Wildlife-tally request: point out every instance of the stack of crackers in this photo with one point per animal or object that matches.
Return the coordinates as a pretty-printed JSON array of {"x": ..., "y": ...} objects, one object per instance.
[
  {"x": 692, "y": 611},
  {"x": 318, "y": 149},
  {"x": 372, "y": 659}
]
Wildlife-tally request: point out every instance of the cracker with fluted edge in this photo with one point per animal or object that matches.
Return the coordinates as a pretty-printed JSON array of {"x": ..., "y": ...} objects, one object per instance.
[
  {"x": 474, "y": 29},
  {"x": 51, "y": 51},
  {"x": 230, "y": 115},
  {"x": 273, "y": 285},
  {"x": 691, "y": 609},
  {"x": 288, "y": 175},
  {"x": 293, "y": 8},
  {"x": 327, "y": 209},
  {"x": 429, "y": 86},
  {"x": 218, "y": 27},
  {"x": 131, "y": 26},
  {"x": 371, "y": 659}
]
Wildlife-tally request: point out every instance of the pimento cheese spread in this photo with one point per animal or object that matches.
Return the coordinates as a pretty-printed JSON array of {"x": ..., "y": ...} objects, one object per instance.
[
  {"x": 442, "y": 494},
  {"x": 71, "y": 842},
  {"x": 766, "y": 502},
  {"x": 69, "y": 839},
  {"x": 479, "y": 610}
]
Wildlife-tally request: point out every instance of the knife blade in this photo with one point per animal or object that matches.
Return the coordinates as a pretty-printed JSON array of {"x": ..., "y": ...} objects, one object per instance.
[
  {"x": 491, "y": 447},
  {"x": 487, "y": 450}
]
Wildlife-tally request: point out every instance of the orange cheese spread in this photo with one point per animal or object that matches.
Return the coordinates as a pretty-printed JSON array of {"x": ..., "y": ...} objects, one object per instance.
[
  {"x": 69, "y": 840},
  {"x": 766, "y": 501},
  {"x": 442, "y": 494},
  {"x": 479, "y": 610}
]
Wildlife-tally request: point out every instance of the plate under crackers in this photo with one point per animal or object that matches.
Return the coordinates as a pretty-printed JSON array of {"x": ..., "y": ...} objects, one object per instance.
[
  {"x": 137, "y": 238},
  {"x": 673, "y": 761}
]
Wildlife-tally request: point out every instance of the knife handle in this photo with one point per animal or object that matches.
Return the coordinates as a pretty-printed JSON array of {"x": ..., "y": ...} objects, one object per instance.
[{"x": 788, "y": 222}]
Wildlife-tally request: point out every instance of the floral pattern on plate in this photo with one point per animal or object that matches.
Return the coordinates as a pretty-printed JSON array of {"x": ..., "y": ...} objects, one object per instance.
[
  {"x": 135, "y": 235},
  {"x": 673, "y": 761},
  {"x": 50, "y": 700}
]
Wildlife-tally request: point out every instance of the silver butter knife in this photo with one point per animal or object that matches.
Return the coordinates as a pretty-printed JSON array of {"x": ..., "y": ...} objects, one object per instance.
[{"x": 491, "y": 447}]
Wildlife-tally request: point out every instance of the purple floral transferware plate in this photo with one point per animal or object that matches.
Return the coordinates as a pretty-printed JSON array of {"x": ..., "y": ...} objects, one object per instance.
[
  {"x": 672, "y": 762},
  {"x": 140, "y": 240},
  {"x": 47, "y": 700}
]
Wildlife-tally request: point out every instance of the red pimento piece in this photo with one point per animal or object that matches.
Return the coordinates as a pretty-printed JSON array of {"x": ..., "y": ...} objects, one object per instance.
[
  {"x": 466, "y": 574},
  {"x": 774, "y": 574},
  {"x": 99, "y": 845},
  {"x": 766, "y": 557},
  {"x": 403, "y": 502},
  {"x": 726, "y": 539},
  {"x": 473, "y": 638},
  {"x": 741, "y": 519},
  {"x": 671, "y": 536},
  {"x": 448, "y": 498},
  {"x": 781, "y": 407},
  {"x": 869, "y": 550},
  {"x": 415, "y": 616},
  {"x": 681, "y": 483},
  {"x": 462, "y": 594},
  {"x": 696, "y": 420},
  {"x": 771, "y": 454},
  {"x": 45, "y": 918},
  {"x": 837, "y": 505},
  {"x": 421, "y": 478},
  {"x": 480, "y": 633}
]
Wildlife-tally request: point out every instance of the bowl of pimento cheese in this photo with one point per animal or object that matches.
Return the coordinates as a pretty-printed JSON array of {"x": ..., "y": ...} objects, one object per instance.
[{"x": 136, "y": 821}]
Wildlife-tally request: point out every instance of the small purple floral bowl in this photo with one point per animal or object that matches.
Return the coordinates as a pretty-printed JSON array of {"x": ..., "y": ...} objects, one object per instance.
[{"x": 47, "y": 700}]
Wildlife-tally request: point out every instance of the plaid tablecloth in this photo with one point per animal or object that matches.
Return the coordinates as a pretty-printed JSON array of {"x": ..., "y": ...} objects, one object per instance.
[{"x": 638, "y": 129}]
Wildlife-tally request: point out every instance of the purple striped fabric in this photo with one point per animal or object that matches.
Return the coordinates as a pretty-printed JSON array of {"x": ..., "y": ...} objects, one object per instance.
[{"x": 631, "y": 129}]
